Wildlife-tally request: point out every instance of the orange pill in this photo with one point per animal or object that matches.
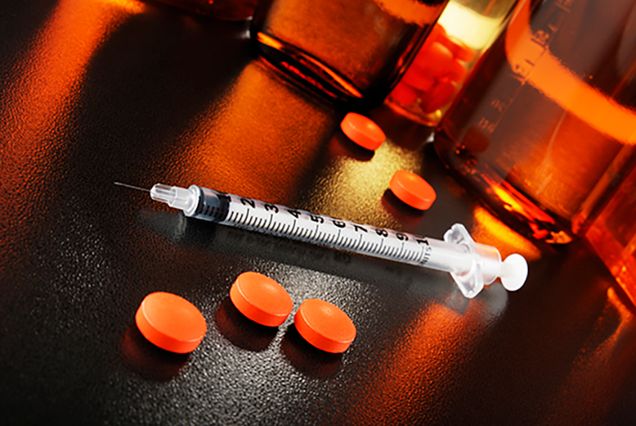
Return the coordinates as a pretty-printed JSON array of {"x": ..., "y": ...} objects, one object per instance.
[
  {"x": 403, "y": 94},
  {"x": 439, "y": 96},
  {"x": 459, "y": 49},
  {"x": 418, "y": 80},
  {"x": 412, "y": 189},
  {"x": 436, "y": 62},
  {"x": 170, "y": 322},
  {"x": 436, "y": 35},
  {"x": 457, "y": 71},
  {"x": 324, "y": 326},
  {"x": 438, "y": 32},
  {"x": 261, "y": 299},
  {"x": 363, "y": 131}
]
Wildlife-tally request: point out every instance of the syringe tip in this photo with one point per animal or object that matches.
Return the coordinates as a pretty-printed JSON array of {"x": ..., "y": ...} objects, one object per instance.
[
  {"x": 125, "y": 185},
  {"x": 163, "y": 193},
  {"x": 174, "y": 196},
  {"x": 514, "y": 271}
]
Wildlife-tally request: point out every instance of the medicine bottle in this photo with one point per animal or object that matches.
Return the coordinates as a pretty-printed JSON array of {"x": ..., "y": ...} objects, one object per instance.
[
  {"x": 347, "y": 50},
  {"x": 464, "y": 31},
  {"x": 228, "y": 10},
  {"x": 545, "y": 127}
]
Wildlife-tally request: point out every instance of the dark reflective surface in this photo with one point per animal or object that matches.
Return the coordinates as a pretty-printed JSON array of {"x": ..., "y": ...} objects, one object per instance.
[
  {"x": 101, "y": 90},
  {"x": 147, "y": 360},
  {"x": 306, "y": 359},
  {"x": 239, "y": 330}
]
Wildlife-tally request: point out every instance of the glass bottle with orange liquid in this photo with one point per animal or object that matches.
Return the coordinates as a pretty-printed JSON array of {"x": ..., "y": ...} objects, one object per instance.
[
  {"x": 348, "y": 50},
  {"x": 613, "y": 233},
  {"x": 545, "y": 127},
  {"x": 227, "y": 10},
  {"x": 464, "y": 31}
]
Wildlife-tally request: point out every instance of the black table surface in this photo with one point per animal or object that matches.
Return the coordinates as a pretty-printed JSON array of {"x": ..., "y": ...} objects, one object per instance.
[{"x": 96, "y": 91}]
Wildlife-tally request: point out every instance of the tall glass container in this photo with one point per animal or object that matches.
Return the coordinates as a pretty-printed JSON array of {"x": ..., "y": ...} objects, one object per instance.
[
  {"x": 228, "y": 10},
  {"x": 613, "y": 233},
  {"x": 545, "y": 126},
  {"x": 348, "y": 50},
  {"x": 464, "y": 31}
]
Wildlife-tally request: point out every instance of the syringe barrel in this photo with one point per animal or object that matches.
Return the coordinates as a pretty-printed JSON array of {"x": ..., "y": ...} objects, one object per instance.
[
  {"x": 472, "y": 265},
  {"x": 490, "y": 262},
  {"x": 449, "y": 257},
  {"x": 211, "y": 205},
  {"x": 300, "y": 225}
]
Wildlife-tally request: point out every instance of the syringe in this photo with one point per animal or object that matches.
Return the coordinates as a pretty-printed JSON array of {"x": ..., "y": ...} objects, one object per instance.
[{"x": 472, "y": 265}]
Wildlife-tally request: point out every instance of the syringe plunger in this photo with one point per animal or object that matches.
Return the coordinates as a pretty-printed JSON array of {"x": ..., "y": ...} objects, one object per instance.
[{"x": 472, "y": 265}]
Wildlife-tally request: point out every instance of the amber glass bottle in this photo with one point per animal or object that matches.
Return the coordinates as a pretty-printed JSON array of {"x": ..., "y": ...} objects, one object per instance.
[
  {"x": 349, "y": 50},
  {"x": 546, "y": 124},
  {"x": 227, "y": 10}
]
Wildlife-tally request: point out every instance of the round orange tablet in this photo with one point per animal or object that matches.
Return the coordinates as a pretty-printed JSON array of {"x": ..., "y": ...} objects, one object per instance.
[
  {"x": 363, "y": 131},
  {"x": 324, "y": 326},
  {"x": 412, "y": 189},
  {"x": 460, "y": 50},
  {"x": 441, "y": 95},
  {"x": 170, "y": 322},
  {"x": 457, "y": 71},
  {"x": 261, "y": 299},
  {"x": 417, "y": 80},
  {"x": 403, "y": 94},
  {"x": 439, "y": 61}
]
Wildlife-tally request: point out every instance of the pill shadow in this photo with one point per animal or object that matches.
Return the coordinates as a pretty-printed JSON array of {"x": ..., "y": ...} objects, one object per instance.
[
  {"x": 400, "y": 210},
  {"x": 240, "y": 331},
  {"x": 148, "y": 360},
  {"x": 306, "y": 359},
  {"x": 341, "y": 146}
]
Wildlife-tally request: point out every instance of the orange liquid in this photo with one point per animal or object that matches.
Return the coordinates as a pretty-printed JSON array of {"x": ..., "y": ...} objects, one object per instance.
[
  {"x": 613, "y": 234},
  {"x": 344, "y": 49},
  {"x": 526, "y": 131},
  {"x": 230, "y": 10}
]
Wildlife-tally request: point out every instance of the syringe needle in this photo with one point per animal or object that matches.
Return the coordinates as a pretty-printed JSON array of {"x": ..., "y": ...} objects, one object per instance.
[{"x": 125, "y": 185}]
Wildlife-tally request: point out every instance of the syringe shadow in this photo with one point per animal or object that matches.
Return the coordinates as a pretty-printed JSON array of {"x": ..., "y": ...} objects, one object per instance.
[{"x": 385, "y": 275}]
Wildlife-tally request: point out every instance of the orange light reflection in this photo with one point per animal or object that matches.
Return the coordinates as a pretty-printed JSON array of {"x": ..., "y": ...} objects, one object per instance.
[
  {"x": 37, "y": 103},
  {"x": 259, "y": 140},
  {"x": 433, "y": 348},
  {"x": 513, "y": 201},
  {"x": 561, "y": 85},
  {"x": 487, "y": 229},
  {"x": 610, "y": 346},
  {"x": 130, "y": 6}
]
